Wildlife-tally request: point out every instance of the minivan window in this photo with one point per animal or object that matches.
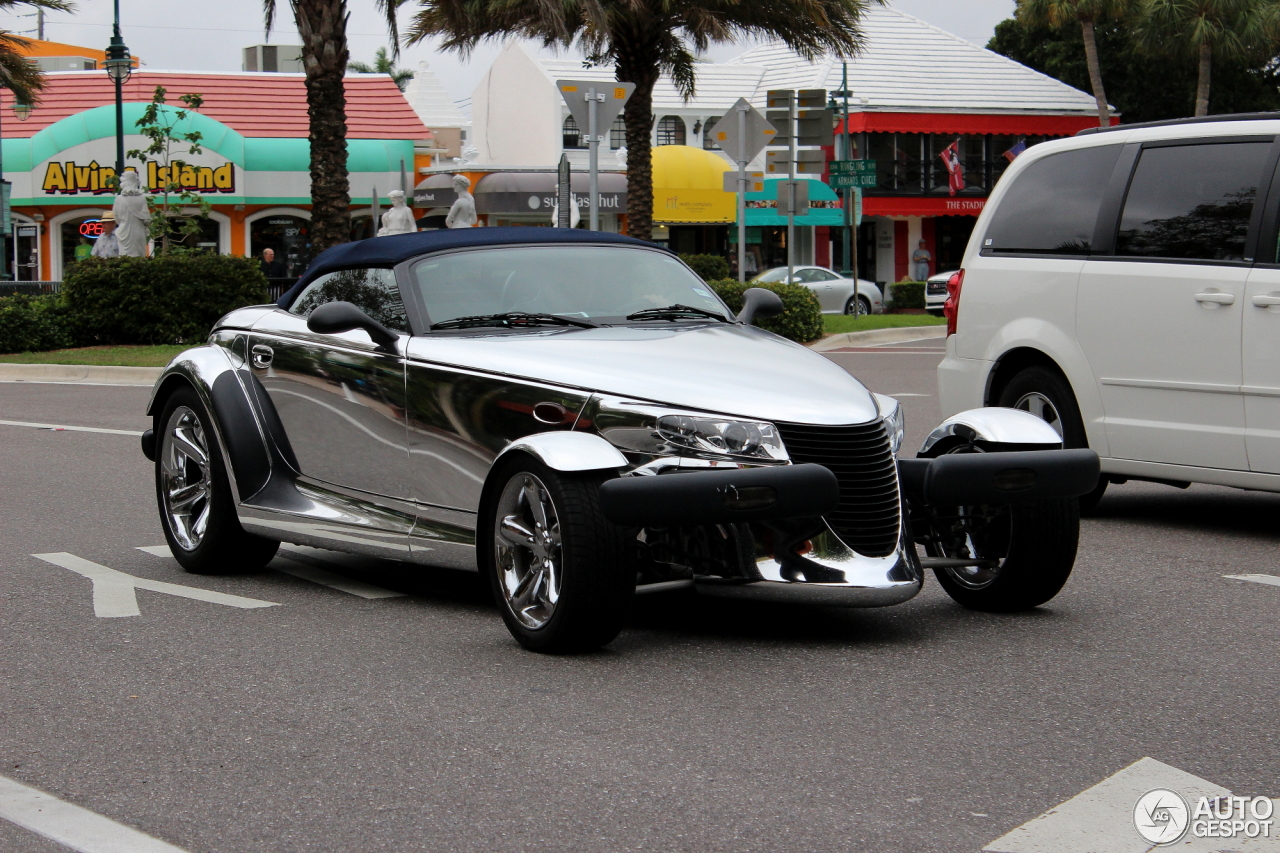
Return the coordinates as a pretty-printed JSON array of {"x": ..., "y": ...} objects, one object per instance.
[
  {"x": 1192, "y": 201},
  {"x": 1052, "y": 207}
]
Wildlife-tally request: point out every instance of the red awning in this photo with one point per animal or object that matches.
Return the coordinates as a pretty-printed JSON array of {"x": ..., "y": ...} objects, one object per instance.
[
  {"x": 921, "y": 206},
  {"x": 1010, "y": 124}
]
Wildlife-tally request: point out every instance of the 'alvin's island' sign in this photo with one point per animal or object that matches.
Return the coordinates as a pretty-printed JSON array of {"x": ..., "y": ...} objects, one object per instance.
[{"x": 70, "y": 178}]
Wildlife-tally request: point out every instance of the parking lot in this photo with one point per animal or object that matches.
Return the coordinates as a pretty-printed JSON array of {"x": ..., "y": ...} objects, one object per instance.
[{"x": 344, "y": 704}]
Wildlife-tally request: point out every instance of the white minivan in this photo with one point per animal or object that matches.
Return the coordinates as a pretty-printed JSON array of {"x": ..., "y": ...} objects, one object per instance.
[{"x": 1124, "y": 285}]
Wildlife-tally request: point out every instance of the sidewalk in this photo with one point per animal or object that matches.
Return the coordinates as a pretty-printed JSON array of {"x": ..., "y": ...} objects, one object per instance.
[
  {"x": 79, "y": 374},
  {"x": 878, "y": 336}
]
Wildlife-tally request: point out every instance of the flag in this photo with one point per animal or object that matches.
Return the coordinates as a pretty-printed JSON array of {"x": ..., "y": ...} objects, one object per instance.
[
  {"x": 1012, "y": 153},
  {"x": 950, "y": 157}
]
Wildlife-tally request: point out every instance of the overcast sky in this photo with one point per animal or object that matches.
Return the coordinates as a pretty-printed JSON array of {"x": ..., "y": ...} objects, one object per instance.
[{"x": 207, "y": 35}]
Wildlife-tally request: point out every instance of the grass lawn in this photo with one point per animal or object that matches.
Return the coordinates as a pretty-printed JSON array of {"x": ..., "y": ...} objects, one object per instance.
[
  {"x": 838, "y": 323},
  {"x": 157, "y": 356}
]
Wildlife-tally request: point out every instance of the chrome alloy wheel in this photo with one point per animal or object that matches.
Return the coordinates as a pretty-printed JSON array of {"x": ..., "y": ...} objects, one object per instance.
[
  {"x": 1042, "y": 407},
  {"x": 994, "y": 537},
  {"x": 185, "y": 478},
  {"x": 529, "y": 556}
]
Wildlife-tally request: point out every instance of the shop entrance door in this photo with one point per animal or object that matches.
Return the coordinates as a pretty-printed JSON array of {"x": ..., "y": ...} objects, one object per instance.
[{"x": 26, "y": 252}]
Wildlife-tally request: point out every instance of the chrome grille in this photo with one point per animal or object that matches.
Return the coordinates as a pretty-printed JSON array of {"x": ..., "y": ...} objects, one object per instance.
[
  {"x": 936, "y": 288},
  {"x": 869, "y": 514}
]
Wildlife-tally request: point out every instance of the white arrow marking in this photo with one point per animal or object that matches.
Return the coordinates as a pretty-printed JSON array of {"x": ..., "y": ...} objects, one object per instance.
[
  {"x": 114, "y": 592},
  {"x": 72, "y": 826},
  {"x": 315, "y": 574},
  {"x": 1272, "y": 580}
]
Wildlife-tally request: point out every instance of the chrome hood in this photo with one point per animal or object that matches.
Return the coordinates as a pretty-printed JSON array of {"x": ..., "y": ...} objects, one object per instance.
[{"x": 729, "y": 369}]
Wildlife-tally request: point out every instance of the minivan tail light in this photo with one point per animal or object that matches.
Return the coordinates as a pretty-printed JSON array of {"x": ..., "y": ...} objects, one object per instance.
[{"x": 951, "y": 308}]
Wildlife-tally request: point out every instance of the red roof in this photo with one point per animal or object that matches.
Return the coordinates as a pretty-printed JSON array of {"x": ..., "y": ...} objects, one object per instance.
[{"x": 273, "y": 105}]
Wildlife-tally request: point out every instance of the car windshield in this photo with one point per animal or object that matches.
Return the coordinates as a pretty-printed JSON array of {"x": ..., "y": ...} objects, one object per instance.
[
  {"x": 775, "y": 274},
  {"x": 602, "y": 284}
]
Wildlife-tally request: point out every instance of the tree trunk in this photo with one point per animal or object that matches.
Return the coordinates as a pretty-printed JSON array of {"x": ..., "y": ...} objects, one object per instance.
[
  {"x": 633, "y": 67},
  {"x": 1202, "y": 83},
  {"x": 1095, "y": 72},
  {"x": 322, "y": 24}
]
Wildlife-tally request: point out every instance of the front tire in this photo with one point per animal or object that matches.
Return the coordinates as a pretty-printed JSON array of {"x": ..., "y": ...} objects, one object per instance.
[
  {"x": 561, "y": 574},
  {"x": 193, "y": 493},
  {"x": 1031, "y": 549},
  {"x": 1046, "y": 394},
  {"x": 862, "y": 307}
]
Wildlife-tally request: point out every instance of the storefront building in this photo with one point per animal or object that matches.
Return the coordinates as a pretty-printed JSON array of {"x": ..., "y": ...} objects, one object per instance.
[{"x": 254, "y": 166}]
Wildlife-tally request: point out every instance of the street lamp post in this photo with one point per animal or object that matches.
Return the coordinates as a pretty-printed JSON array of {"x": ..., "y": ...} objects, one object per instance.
[
  {"x": 850, "y": 195},
  {"x": 119, "y": 67}
]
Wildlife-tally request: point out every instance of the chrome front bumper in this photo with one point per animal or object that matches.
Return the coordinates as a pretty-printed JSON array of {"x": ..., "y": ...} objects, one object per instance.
[{"x": 831, "y": 574}]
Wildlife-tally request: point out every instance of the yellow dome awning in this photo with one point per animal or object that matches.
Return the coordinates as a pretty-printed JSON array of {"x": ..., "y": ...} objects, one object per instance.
[{"x": 688, "y": 186}]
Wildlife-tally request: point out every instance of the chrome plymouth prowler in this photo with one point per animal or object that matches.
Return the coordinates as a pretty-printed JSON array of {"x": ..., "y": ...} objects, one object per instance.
[{"x": 577, "y": 416}]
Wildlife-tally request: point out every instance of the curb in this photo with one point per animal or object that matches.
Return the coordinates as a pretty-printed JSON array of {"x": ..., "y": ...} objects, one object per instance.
[
  {"x": 878, "y": 336},
  {"x": 80, "y": 374}
]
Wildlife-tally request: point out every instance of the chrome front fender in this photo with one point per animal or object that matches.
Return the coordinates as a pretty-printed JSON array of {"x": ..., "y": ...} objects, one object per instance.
[
  {"x": 211, "y": 371},
  {"x": 994, "y": 426},
  {"x": 568, "y": 451}
]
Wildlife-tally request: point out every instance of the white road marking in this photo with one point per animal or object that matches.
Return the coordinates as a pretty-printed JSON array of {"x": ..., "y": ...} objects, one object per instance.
[
  {"x": 315, "y": 574},
  {"x": 1100, "y": 819},
  {"x": 908, "y": 395},
  {"x": 72, "y": 826},
  {"x": 1267, "y": 579},
  {"x": 72, "y": 428},
  {"x": 72, "y": 382},
  {"x": 114, "y": 592}
]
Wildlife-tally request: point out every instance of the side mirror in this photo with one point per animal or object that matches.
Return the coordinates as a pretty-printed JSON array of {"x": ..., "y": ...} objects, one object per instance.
[
  {"x": 333, "y": 318},
  {"x": 758, "y": 302}
]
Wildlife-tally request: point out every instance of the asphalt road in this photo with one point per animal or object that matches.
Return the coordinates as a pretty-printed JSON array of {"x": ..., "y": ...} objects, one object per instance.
[{"x": 333, "y": 722}]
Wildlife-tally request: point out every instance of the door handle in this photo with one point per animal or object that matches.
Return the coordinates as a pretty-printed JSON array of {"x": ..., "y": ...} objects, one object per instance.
[
  {"x": 262, "y": 355},
  {"x": 1216, "y": 297},
  {"x": 1267, "y": 301}
]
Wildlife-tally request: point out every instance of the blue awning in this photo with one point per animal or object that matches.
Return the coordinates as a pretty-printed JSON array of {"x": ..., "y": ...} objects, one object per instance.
[{"x": 824, "y": 205}]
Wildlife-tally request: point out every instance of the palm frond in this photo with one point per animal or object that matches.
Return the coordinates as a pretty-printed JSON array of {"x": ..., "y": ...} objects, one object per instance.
[{"x": 17, "y": 73}]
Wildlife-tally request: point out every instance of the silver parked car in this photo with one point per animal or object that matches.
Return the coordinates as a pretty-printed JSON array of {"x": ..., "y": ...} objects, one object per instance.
[
  {"x": 835, "y": 293},
  {"x": 578, "y": 417}
]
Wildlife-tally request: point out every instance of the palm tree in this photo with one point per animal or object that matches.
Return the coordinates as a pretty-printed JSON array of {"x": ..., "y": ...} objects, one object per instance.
[
  {"x": 322, "y": 24},
  {"x": 644, "y": 39},
  {"x": 1231, "y": 29},
  {"x": 384, "y": 64},
  {"x": 17, "y": 73},
  {"x": 1058, "y": 13}
]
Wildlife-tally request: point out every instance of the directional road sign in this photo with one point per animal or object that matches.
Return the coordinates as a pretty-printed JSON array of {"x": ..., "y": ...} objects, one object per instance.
[
  {"x": 853, "y": 167},
  {"x": 611, "y": 98},
  {"x": 759, "y": 132},
  {"x": 845, "y": 182},
  {"x": 755, "y": 181},
  {"x": 793, "y": 198}
]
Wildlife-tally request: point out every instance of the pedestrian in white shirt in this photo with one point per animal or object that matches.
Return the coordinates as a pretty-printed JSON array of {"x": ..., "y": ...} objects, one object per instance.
[{"x": 108, "y": 245}]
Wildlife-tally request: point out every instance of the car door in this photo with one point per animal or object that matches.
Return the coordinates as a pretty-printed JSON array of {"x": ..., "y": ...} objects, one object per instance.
[
  {"x": 817, "y": 281},
  {"x": 1159, "y": 319},
  {"x": 1260, "y": 350},
  {"x": 339, "y": 397}
]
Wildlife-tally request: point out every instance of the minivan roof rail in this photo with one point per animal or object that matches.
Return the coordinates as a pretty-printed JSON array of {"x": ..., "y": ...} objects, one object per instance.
[{"x": 1172, "y": 121}]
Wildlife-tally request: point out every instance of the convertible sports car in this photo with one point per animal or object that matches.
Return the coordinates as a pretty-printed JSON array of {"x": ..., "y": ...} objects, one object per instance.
[{"x": 577, "y": 416}]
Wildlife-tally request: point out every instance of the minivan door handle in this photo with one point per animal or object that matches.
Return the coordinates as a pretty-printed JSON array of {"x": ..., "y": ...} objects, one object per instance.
[
  {"x": 1216, "y": 297},
  {"x": 1267, "y": 301},
  {"x": 262, "y": 355}
]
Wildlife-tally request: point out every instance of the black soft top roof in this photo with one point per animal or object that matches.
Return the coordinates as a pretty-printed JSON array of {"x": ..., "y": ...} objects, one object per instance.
[{"x": 388, "y": 251}]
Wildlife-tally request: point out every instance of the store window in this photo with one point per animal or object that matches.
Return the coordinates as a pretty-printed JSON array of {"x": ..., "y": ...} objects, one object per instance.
[
  {"x": 78, "y": 238},
  {"x": 671, "y": 131},
  {"x": 708, "y": 140},
  {"x": 205, "y": 239},
  {"x": 362, "y": 226},
  {"x": 572, "y": 135},
  {"x": 289, "y": 237},
  {"x": 618, "y": 134}
]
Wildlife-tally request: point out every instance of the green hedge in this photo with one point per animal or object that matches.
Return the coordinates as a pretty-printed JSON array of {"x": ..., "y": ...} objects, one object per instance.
[
  {"x": 35, "y": 324},
  {"x": 801, "y": 317},
  {"x": 908, "y": 294},
  {"x": 708, "y": 267},
  {"x": 172, "y": 299}
]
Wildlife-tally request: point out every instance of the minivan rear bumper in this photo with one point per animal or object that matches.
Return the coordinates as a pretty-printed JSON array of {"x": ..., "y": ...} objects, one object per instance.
[{"x": 962, "y": 382}]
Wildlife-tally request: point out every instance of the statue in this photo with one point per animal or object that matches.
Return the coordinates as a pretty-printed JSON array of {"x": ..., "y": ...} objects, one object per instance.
[
  {"x": 575, "y": 215},
  {"x": 399, "y": 219},
  {"x": 463, "y": 212},
  {"x": 132, "y": 217}
]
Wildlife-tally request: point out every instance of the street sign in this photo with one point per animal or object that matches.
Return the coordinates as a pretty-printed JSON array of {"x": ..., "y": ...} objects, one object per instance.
[
  {"x": 759, "y": 133},
  {"x": 845, "y": 182},
  {"x": 755, "y": 181},
  {"x": 611, "y": 98},
  {"x": 808, "y": 162},
  {"x": 853, "y": 167},
  {"x": 594, "y": 104},
  {"x": 793, "y": 198},
  {"x": 857, "y": 206}
]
